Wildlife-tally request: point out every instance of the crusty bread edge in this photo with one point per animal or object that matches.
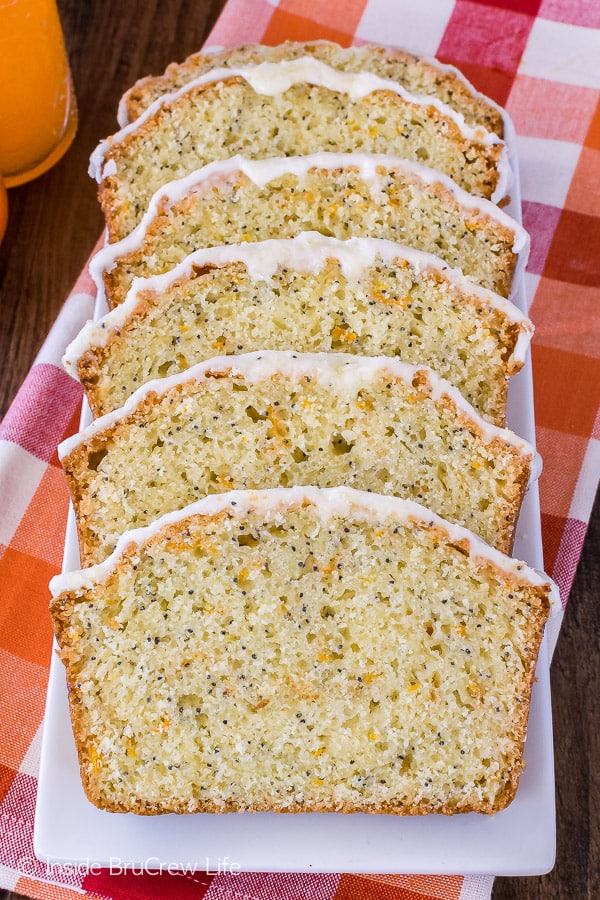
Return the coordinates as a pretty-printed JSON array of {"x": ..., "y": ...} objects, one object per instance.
[
  {"x": 90, "y": 364},
  {"x": 115, "y": 291},
  {"x": 147, "y": 89},
  {"x": 59, "y": 609},
  {"x": 75, "y": 462}
]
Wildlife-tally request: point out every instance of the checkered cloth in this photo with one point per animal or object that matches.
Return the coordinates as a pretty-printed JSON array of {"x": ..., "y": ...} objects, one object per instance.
[{"x": 540, "y": 59}]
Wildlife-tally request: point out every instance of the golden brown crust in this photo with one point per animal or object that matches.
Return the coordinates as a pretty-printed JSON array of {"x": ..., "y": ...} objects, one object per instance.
[
  {"x": 118, "y": 280},
  {"x": 101, "y": 388},
  {"x": 110, "y": 186},
  {"x": 92, "y": 361},
  {"x": 76, "y": 465},
  {"x": 471, "y": 162},
  {"x": 502, "y": 235},
  {"x": 520, "y": 471},
  {"x": 67, "y": 637},
  {"x": 148, "y": 808},
  {"x": 453, "y": 89}
]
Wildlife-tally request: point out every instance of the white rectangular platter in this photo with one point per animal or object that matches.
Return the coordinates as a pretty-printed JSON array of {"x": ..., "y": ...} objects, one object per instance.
[{"x": 518, "y": 841}]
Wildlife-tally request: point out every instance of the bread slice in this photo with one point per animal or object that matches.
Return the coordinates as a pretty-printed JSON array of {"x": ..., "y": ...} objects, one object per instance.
[
  {"x": 340, "y": 195},
  {"x": 287, "y": 109},
  {"x": 301, "y": 650},
  {"x": 271, "y": 419},
  {"x": 310, "y": 293},
  {"x": 418, "y": 74}
]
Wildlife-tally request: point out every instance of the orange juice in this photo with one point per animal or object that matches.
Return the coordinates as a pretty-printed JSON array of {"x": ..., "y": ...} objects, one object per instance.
[
  {"x": 38, "y": 113},
  {"x": 3, "y": 209}
]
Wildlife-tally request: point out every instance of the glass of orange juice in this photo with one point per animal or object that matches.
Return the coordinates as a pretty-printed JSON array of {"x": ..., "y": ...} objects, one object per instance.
[{"x": 38, "y": 112}]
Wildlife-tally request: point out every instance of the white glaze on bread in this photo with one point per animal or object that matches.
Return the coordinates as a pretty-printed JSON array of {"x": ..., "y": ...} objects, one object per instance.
[
  {"x": 333, "y": 368},
  {"x": 343, "y": 502},
  {"x": 309, "y": 251},
  {"x": 274, "y": 78},
  {"x": 370, "y": 166}
]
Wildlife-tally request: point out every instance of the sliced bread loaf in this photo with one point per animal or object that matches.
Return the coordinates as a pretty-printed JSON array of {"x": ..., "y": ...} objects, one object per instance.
[
  {"x": 301, "y": 650},
  {"x": 271, "y": 419},
  {"x": 340, "y": 195},
  {"x": 287, "y": 109},
  {"x": 418, "y": 74},
  {"x": 310, "y": 293}
]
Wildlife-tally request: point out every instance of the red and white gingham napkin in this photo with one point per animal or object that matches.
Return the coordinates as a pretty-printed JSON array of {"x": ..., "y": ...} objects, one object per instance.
[{"x": 540, "y": 59}]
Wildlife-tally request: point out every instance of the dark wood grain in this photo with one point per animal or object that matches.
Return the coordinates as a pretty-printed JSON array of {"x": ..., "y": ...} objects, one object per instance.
[
  {"x": 575, "y": 675},
  {"x": 54, "y": 223}
]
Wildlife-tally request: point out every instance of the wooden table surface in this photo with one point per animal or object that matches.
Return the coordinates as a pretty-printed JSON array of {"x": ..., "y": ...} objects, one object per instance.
[{"x": 54, "y": 223}]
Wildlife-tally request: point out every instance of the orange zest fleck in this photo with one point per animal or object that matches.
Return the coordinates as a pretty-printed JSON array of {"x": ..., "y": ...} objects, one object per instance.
[
  {"x": 275, "y": 424},
  {"x": 164, "y": 723},
  {"x": 474, "y": 690},
  {"x": 343, "y": 334},
  {"x": 95, "y": 758}
]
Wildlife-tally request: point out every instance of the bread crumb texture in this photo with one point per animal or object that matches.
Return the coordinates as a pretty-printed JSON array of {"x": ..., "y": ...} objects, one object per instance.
[
  {"x": 391, "y": 310},
  {"x": 339, "y": 203},
  {"x": 238, "y": 663},
  {"x": 218, "y": 120},
  {"x": 225, "y": 432},
  {"x": 418, "y": 75}
]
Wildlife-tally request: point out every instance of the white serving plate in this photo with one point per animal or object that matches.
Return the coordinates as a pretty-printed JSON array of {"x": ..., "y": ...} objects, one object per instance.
[{"x": 517, "y": 841}]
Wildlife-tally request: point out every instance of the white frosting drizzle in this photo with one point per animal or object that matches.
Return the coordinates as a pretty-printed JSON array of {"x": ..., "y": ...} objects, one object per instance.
[
  {"x": 262, "y": 171},
  {"x": 444, "y": 68},
  {"x": 307, "y": 252},
  {"x": 122, "y": 111},
  {"x": 328, "y": 503},
  {"x": 341, "y": 372},
  {"x": 269, "y": 79}
]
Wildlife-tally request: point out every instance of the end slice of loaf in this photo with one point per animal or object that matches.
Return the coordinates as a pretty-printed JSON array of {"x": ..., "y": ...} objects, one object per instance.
[
  {"x": 312, "y": 294},
  {"x": 286, "y": 109},
  {"x": 271, "y": 419},
  {"x": 301, "y": 650},
  {"x": 420, "y": 75},
  {"x": 339, "y": 195}
]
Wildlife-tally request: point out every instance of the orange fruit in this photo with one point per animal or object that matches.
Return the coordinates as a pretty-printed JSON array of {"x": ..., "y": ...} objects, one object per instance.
[{"x": 3, "y": 209}]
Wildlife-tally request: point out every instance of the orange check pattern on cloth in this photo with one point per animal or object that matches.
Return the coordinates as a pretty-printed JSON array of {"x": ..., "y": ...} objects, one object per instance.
[{"x": 540, "y": 59}]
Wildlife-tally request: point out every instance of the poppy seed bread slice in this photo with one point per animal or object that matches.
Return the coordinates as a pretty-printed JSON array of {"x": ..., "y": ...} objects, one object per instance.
[
  {"x": 418, "y": 74},
  {"x": 310, "y": 293},
  {"x": 287, "y": 109},
  {"x": 270, "y": 419},
  {"x": 337, "y": 194},
  {"x": 301, "y": 650}
]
